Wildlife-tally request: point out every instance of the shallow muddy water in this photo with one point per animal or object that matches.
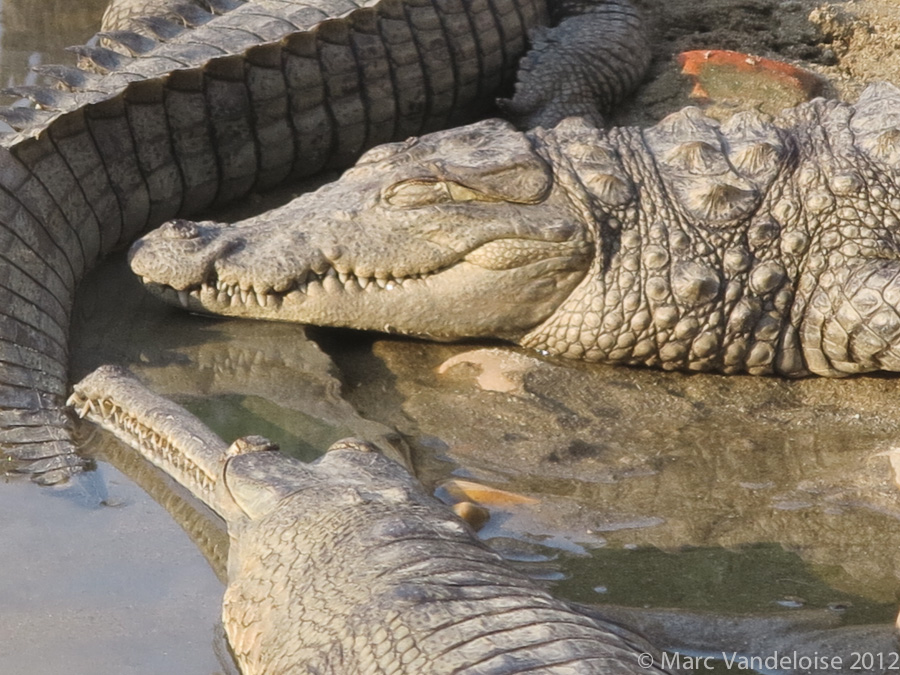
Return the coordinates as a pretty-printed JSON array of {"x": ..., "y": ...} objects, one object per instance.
[{"x": 762, "y": 513}]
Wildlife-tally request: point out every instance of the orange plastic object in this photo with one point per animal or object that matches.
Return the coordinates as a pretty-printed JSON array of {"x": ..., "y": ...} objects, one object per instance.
[{"x": 718, "y": 73}]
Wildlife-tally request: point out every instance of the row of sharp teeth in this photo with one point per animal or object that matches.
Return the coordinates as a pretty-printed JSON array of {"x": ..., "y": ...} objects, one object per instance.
[
  {"x": 330, "y": 281},
  {"x": 152, "y": 443}
]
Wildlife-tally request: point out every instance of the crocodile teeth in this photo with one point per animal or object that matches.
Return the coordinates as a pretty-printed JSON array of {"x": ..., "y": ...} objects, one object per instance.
[
  {"x": 332, "y": 282},
  {"x": 183, "y": 298}
]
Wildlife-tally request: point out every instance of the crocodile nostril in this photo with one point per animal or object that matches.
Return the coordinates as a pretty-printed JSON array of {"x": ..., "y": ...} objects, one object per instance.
[{"x": 180, "y": 229}]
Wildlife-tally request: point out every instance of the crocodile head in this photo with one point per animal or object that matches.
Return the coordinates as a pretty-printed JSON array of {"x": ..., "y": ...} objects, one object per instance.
[{"x": 438, "y": 236}]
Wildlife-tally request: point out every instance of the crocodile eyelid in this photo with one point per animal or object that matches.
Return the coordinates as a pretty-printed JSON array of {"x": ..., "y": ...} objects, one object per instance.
[
  {"x": 417, "y": 192},
  {"x": 425, "y": 192}
]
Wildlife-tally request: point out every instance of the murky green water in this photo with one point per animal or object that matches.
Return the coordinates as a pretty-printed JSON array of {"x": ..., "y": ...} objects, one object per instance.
[{"x": 767, "y": 503}]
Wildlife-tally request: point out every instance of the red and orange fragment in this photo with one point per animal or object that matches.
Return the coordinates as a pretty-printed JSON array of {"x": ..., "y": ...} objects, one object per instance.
[{"x": 720, "y": 74}]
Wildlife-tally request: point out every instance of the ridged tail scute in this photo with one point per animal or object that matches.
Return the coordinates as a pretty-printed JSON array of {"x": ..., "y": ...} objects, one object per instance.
[
  {"x": 158, "y": 28},
  {"x": 126, "y": 15},
  {"x": 48, "y": 99},
  {"x": 21, "y": 119},
  {"x": 69, "y": 78},
  {"x": 129, "y": 42},
  {"x": 100, "y": 59}
]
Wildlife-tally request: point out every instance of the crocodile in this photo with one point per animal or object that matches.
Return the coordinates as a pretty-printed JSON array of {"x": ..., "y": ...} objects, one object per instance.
[
  {"x": 429, "y": 596},
  {"x": 759, "y": 245},
  {"x": 164, "y": 118}
]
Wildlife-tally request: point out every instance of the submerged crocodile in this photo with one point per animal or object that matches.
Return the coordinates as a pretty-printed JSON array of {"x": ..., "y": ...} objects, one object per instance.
[
  {"x": 768, "y": 246},
  {"x": 346, "y": 565},
  {"x": 264, "y": 92}
]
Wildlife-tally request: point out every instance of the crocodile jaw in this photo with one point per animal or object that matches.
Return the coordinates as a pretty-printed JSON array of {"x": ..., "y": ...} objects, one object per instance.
[{"x": 439, "y": 305}]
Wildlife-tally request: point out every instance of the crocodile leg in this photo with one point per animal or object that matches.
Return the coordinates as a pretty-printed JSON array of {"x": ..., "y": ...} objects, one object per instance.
[
  {"x": 852, "y": 322},
  {"x": 582, "y": 67}
]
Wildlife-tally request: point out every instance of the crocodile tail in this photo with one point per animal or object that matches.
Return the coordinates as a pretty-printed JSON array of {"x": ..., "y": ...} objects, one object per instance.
[
  {"x": 89, "y": 182},
  {"x": 69, "y": 193},
  {"x": 39, "y": 265}
]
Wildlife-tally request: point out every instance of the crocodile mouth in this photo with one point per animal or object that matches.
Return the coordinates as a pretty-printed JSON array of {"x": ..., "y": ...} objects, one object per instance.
[
  {"x": 151, "y": 442},
  {"x": 430, "y": 288},
  {"x": 232, "y": 294}
]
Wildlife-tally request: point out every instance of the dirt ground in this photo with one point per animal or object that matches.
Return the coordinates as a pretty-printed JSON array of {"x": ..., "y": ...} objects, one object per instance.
[{"x": 848, "y": 44}]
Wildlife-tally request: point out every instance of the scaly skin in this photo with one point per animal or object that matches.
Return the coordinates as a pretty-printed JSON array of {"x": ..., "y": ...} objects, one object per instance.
[
  {"x": 346, "y": 565},
  {"x": 760, "y": 246},
  {"x": 268, "y": 91}
]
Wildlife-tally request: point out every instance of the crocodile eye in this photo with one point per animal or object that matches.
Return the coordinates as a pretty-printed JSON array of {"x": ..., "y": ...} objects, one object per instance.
[
  {"x": 411, "y": 193},
  {"x": 422, "y": 192},
  {"x": 248, "y": 444}
]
